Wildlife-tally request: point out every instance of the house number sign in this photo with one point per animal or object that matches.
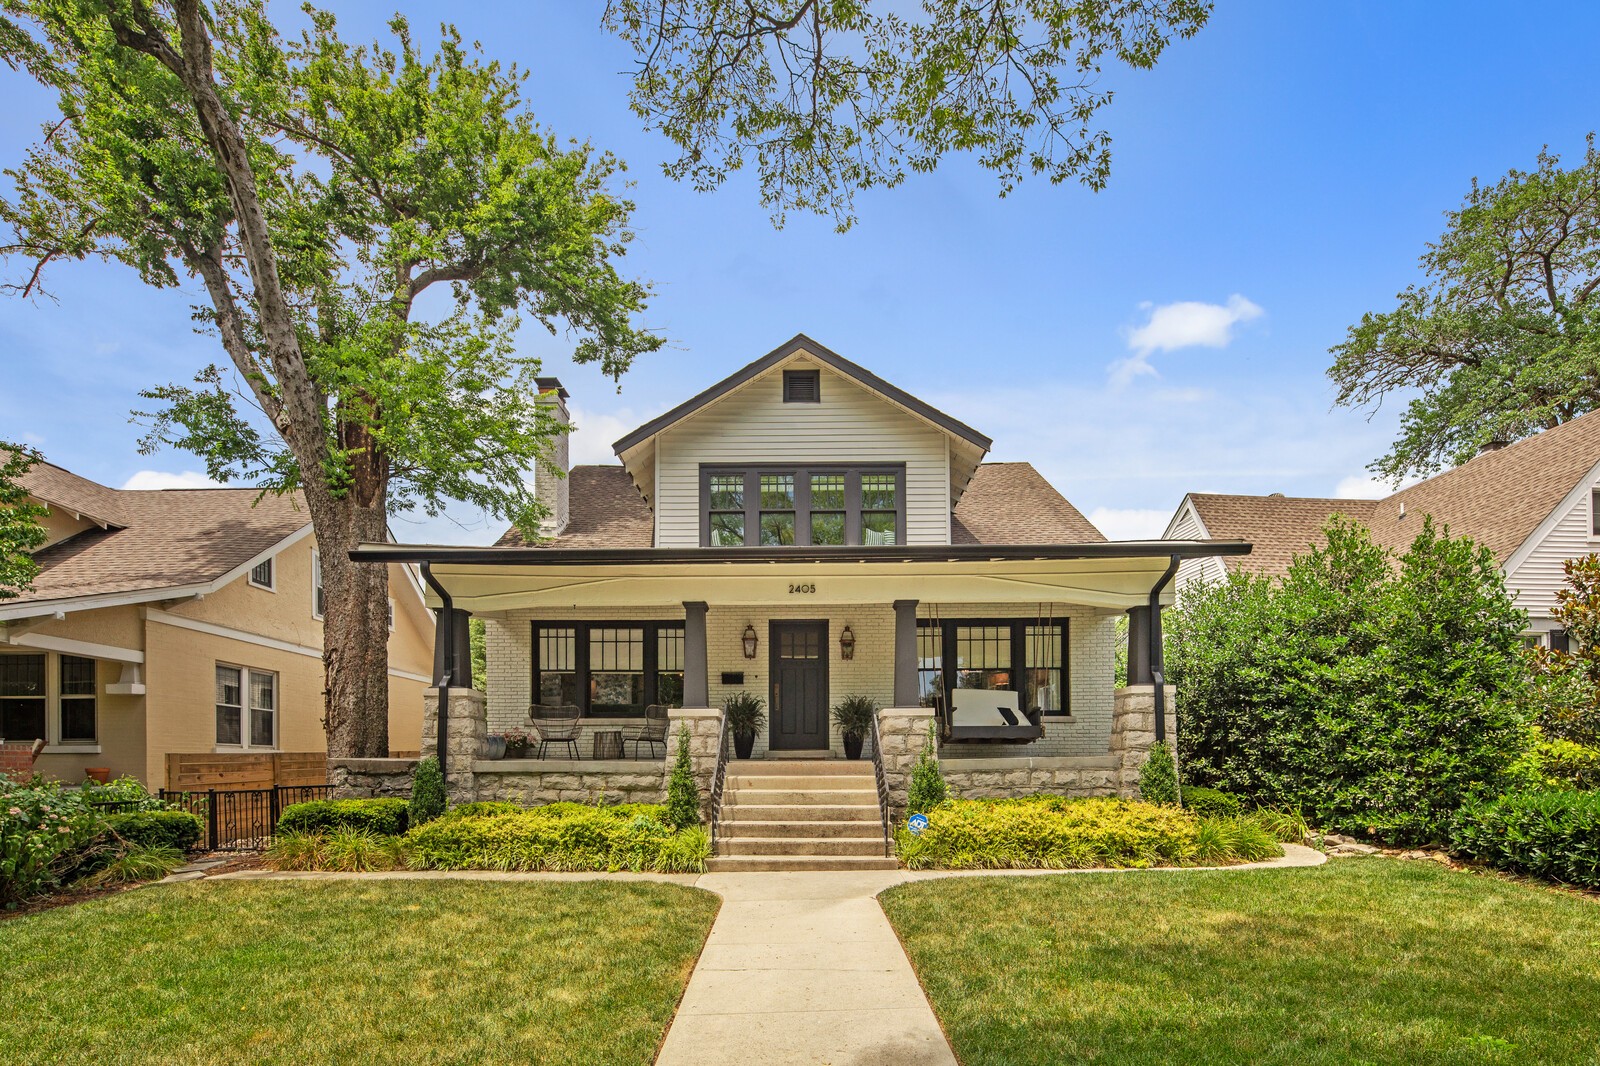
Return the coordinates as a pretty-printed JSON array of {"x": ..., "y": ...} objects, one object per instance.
[{"x": 806, "y": 589}]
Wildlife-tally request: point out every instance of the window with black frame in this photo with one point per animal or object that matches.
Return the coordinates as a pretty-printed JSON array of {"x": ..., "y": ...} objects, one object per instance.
[
  {"x": 986, "y": 653},
  {"x": 809, "y": 505},
  {"x": 78, "y": 695},
  {"x": 608, "y": 669},
  {"x": 22, "y": 696}
]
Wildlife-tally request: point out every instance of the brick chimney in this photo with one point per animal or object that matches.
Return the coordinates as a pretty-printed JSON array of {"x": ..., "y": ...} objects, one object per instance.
[{"x": 552, "y": 491}]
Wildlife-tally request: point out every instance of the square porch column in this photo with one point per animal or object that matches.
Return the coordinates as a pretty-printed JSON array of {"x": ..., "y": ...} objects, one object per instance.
[
  {"x": 696, "y": 680},
  {"x": 905, "y": 653}
]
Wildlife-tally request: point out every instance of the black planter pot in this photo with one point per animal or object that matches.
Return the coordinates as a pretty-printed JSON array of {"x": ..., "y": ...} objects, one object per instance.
[
  {"x": 852, "y": 746},
  {"x": 743, "y": 745}
]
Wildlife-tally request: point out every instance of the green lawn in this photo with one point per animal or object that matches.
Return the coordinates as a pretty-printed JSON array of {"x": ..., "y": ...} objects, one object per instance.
[
  {"x": 352, "y": 972},
  {"x": 1359, "y": 961}
]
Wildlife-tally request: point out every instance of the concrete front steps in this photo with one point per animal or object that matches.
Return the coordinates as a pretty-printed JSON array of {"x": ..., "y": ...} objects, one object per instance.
[{"x": 799, "y": 815}]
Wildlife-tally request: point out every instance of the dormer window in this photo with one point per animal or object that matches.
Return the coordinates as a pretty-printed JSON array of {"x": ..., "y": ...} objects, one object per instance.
[
  {"x": 816, "y": 505},
  {"x": 802, "y": 386},
  {"x": 262, "y": 576}
]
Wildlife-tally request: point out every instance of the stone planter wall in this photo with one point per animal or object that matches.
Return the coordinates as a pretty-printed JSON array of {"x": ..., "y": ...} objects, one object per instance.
[
  {"x": 535, "y": 781},
  {"x": 1079, "y": 776},
  {"x": 371, "y": 778}
]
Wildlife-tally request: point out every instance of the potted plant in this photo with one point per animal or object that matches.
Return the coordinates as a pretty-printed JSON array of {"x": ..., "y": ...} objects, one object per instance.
[
  {"x": 494, "y": 746},
  {"x": 853, "y": 716},
  {"x": 516, "y": 744},
  {"x": 745, "y": 714}
]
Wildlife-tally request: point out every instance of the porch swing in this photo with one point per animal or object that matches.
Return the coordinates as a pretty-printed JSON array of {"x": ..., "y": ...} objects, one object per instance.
[{"x": 991, "y": 716}]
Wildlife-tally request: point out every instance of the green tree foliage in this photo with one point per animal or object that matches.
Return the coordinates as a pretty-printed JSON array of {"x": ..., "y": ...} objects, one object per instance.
[
  {"x": 480, "y": 654},
  {"x": 927, "y": 788},
  {"x": 20, "y": 531},
  {"x": 1158, "y": 778},
  {"x": 1567, "y": 700},
  {"x": 828, "y": 97},
  {"x": 366, "y": 224},
  {"x": 1374, "y": 693},
  {"x": 1503, "y": 339},
  {"x": 427, "y": 791},
  {"x": 683, "y": 795}
]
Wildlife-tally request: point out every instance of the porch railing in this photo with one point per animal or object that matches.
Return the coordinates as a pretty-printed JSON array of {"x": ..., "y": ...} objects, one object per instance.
[
  {"x": 883, "y": 786},
  {"x": 719, "y": 777}
]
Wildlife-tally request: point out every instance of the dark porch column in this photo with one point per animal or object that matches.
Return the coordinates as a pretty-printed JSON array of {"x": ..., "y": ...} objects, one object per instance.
[
  {"x": 451, "y": 633},
  {"x": 1139, "y": 665},
  {"x": 696, "y": 684},
  {"x": 905, "y": 653}
]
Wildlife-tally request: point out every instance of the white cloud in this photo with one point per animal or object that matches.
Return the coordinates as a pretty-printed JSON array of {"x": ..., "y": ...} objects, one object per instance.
[
  {"x": 1185, "y": 324},
  {"x": 594, "y": 432},
  {"x": 162, "y": 479},
  {"x": 1364, "y": 487},
  {"x": 1130, "y": 523}
]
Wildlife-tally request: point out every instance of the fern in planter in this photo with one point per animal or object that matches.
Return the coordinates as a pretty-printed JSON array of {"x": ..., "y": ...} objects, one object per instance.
[
  {"x": 853, "y": 715},
  {"x": 745, "y": 714},
  {"x": 683, "y": 795}
]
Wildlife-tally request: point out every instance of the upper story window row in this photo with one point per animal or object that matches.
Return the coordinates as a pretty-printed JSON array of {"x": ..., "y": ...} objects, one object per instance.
[{"x": 816, "y": 504}]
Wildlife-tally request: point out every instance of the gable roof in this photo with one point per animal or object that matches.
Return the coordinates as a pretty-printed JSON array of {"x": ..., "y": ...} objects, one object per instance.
[
  {"x": 1498, "y": 498},
  {"x": 157, "y": 540},
  {"x": 801, "y": 343},
  {"x": 1005, "y": 503}
]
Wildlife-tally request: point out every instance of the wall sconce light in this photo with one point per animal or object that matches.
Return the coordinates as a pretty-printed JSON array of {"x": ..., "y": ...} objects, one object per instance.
[
  {"x": 749, "y": 641},
  {"x": 847, "y": 644}
]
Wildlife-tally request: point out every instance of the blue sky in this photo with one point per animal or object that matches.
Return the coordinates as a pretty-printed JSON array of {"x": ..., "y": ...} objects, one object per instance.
[{"x": 1273, "y": 178}]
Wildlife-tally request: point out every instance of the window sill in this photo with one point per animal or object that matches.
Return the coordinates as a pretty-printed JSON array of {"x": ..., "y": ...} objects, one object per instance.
[
  {"x": 71, "y": 749},
  {"x": 237, "y": 749}
]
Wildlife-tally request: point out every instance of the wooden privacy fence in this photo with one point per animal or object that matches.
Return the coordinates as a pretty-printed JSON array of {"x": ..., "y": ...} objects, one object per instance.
[{"x": 194, "y": 771}]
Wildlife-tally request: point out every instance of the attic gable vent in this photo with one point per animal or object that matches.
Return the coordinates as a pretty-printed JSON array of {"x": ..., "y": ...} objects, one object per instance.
[{"x": 802, "y": 386}]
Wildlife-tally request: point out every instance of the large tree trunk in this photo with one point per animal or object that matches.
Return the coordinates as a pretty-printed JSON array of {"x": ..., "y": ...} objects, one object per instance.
[{"x": 355, "y": 631}]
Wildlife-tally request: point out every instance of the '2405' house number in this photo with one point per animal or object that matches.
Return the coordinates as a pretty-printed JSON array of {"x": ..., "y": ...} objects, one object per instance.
[{"x": 802, "y": 590}]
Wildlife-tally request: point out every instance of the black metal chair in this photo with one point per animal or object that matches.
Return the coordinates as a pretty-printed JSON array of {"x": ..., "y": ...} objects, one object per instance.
[
  {"x": 556, "y": 723},
  {"x": 653, "y": 732}
]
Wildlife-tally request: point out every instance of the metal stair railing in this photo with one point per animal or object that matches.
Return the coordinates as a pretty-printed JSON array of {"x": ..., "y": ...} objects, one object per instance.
[
  {"x": 718, "y": 778},
  {"x": 883, "y": 786}
]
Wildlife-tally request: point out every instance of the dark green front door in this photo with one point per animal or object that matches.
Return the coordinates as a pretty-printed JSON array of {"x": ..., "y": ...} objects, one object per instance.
[{"x": 799, "y": 696}]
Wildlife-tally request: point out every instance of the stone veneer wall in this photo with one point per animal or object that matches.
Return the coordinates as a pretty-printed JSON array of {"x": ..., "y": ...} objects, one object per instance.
[
  {"x": 371, "y": 778},
  {"x": 1078, "y": 776}
]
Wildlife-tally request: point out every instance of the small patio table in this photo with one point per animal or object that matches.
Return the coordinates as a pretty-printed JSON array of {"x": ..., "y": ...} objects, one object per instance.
[{"x": 608, "y": 744}]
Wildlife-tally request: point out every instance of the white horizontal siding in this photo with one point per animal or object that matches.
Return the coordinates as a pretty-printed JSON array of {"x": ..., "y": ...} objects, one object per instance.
[
  {"x": 754, "y": 425},
  {"x": 1186, "y": 525},
  {"x": 1538, "y": 578}
]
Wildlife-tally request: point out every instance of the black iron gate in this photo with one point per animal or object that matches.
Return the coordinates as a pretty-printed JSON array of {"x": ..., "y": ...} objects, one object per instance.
[{"x": 242, "y": 819}]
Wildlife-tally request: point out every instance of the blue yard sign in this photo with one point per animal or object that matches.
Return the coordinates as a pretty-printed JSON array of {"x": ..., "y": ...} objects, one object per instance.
[{"x": 917, "y": 822}]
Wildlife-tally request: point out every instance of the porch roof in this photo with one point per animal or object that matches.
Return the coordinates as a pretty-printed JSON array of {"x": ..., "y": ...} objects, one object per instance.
[{"x": 1116, "y": 574}]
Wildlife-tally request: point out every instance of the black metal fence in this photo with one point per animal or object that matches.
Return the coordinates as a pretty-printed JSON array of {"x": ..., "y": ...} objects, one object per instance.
[{"x": 242, "y": 819}]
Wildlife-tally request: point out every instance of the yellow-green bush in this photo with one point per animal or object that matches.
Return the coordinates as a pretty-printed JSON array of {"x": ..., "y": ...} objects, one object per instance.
[
  {"x": 1052, "y": 832},
  {"x": 560, "y": 837}
]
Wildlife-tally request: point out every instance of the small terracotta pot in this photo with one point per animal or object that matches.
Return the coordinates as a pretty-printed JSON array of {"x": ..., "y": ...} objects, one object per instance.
[{"x": 101, "y": 774}]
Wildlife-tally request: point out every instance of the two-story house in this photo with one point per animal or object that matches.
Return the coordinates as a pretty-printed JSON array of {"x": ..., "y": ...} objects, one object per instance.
[
  {"x": 804, "y": 530},
  {"x": 179, "y": 622}
]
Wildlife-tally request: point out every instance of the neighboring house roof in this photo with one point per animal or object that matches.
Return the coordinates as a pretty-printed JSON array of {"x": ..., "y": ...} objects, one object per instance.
[
  {"x": 837, "y": 362},
  {"x": 1006, "y": 503},
  {"x": 1498, "y": 498},
  {"x": 1012, "y": 503},
  {"x": 158, "y": 538}
]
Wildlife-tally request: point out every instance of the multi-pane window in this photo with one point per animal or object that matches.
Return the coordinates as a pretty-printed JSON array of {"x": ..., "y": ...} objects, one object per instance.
[
  {"x": 777, "y": 509},
  {"x": 78, "y": 693},
  {"x": 880, "y": 508},
  {"x": 817, "y": 505},
  {"x": 609, "y": 668},
  {"x": 246, "y": 700},
  {"x": 1021, "y": 655},
  {"x": 261, "y": 574},
  {"x": 727, "y": 510},
  {"x": 22, "y": 697}
]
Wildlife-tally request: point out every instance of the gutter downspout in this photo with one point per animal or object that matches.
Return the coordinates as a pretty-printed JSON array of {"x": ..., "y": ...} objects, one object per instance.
[
  {"x": 1157, "y": 662},
  {"x": 445, "y": 629}
]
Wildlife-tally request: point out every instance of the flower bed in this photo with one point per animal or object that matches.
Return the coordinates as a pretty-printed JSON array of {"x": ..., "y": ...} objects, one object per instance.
[{"x": 1052, "y": 832}]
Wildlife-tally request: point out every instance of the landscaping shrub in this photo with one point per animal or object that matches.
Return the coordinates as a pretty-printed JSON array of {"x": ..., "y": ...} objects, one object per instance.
[
  {"x": 1211, "y": 803},
  {"x": 927, "y": 788},
  {"x": 1052, "y": 832},
  {"x": 44, "y": 830},
  {"x": 1557, "y": 764},
  {"x": 345, "y": 850},
  {"x": 134, "y": 863},
  {"x": 484, "y": 809},
  {"x": 1373, "y": 693},
  {"x": 122, "y": 792},
  {"x": 683, "y": 795},
  {"x": 1554, "y": 835},
  {"x": 1158, "y": 778},
  {"x": 385, "y": 817},
  {"x": 178, "y": 830},
  {"x": 561, "y": 837},
  {"x": 1281, "y": 823},
  {"x": 427, "y": 791}
]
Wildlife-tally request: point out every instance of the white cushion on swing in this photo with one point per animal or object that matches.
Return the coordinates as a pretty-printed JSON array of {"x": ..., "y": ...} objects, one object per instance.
[{"x": 983, "y": 706}]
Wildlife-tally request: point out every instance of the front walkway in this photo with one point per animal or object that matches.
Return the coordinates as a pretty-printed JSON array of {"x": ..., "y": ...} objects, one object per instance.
[{"x": 799, "y": 968}]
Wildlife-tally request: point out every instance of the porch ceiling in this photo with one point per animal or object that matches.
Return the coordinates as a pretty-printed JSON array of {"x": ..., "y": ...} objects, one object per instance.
[{"x": 1101, "y": 575}]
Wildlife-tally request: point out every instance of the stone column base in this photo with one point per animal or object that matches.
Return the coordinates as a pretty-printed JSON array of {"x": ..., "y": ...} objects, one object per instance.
[
  {"x": 705, "y": 731},
  {"x": 467, "y": 729},
  {"x": 1133, "y": 732},
  {"x": 903, "y": 732}
]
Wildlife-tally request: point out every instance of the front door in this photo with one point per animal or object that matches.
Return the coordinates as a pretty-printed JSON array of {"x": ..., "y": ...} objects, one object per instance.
[{"x": 799, "y": 698}]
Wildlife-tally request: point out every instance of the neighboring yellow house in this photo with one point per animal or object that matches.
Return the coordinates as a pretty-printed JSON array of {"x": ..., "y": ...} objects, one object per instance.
[{"x": 181, "y": 620}]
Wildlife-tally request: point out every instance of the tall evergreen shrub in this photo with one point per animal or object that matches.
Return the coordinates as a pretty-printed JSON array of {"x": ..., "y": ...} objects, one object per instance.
[
  {"x": 1373, "y": 692},
  {"x": 927, "y": 789},
  {"x": 1158, "y": 779},
  {"x": 427, "y": 790},
  {"x": 683, "y": 795}
]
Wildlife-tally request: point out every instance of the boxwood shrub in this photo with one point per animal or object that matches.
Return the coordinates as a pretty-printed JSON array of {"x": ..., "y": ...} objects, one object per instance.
[
  {"x": 156, "y": 829},
  {"x": 1554, "y": 835},
  {"x": 384, "y": 817},
  {"x": 1211, "y": 802},
  {"x": 1052, "y": 832},
  {"x": 560, "y": 837}
]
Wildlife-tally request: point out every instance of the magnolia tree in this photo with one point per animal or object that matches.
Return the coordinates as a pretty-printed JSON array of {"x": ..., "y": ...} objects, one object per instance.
[{"x": 321, "y": 195}]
